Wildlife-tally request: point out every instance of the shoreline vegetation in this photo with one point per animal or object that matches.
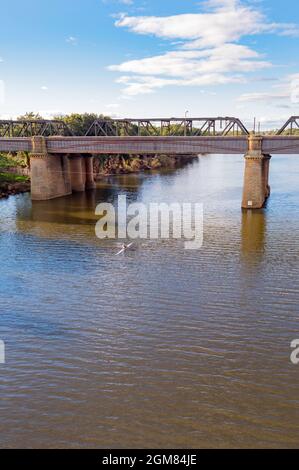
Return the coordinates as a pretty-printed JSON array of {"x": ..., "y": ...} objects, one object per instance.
[
  {"x": 14, "y": 175},
  {"x": 15, "y": 168},
  {"x": 125, "y": 164}
]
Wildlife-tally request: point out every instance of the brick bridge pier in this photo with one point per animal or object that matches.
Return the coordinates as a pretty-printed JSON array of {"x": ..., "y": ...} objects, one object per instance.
[
  {"x": 256, "y": 187},
  {"x": 57, "y": 175}
]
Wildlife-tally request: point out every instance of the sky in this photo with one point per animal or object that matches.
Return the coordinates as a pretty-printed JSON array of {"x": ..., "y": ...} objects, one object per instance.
[{"x": 151, "y": 58}]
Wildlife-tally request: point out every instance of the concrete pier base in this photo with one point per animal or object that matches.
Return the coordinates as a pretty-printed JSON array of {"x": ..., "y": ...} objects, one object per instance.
[
  {"x": 78, "y": 173},
  {"x": 90, "y": 183},
  {"x": 256, "y": 188},
  {"x": 54, "y": 175},
  {"x": 266, "y": 174},
  {"x": 50, "y": 176}
]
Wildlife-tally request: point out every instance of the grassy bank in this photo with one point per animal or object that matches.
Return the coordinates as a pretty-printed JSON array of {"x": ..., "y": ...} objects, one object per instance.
[
  {"x": 21, "y": 160},
  {"x": 12, "y": 182},
  {"x": 12, "y": 178}
]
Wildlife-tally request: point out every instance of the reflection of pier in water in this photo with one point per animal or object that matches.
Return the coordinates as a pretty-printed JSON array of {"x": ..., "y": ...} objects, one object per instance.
[{"x": 253, "y": 234}]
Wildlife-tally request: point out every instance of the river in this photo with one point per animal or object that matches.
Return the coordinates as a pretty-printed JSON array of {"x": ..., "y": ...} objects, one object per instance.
[{"x": 160, "y": 347}]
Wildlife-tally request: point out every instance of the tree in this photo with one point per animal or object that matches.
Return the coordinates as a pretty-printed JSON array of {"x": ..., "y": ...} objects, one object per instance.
[
  {"x": 31, "y": 116},
  {"x": 80, "y": 123}
]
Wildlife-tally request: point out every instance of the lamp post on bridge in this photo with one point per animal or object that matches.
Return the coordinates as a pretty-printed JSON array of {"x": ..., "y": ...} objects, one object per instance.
[{"x": 185, "y": 128}]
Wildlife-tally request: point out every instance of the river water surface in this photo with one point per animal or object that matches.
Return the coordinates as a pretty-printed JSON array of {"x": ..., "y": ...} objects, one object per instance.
[{"x": 159, "y": 347}]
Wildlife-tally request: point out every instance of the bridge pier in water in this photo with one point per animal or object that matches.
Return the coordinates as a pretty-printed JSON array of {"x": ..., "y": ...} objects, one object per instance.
[
  {"x": 77, "y": 173},
  {"x": 81, "y": 169},
  {"x": 256, "y": 187},
  {"x": 57, "y": 175},
  {"x": 50, "y": 173},
  {"x": 89, "y": 183}
]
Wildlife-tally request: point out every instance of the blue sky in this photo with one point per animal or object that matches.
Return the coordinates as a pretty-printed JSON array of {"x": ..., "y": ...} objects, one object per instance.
[{"x": 141, "y": 58}]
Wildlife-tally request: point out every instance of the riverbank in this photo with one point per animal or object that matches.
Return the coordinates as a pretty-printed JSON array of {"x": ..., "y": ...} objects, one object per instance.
[
  {"x": 14, "y": 175},
  {"x": 14, "y": 170},
  {"x": 123, "y": 164},
  {"x": 11, "y": 184}
]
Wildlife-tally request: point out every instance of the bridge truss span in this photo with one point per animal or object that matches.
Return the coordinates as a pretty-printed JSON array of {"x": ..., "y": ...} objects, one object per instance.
[
  {"x": 291, "y": 127},
  {"x": 34, "y": 127},
  {"x": 171, "y": 127}
]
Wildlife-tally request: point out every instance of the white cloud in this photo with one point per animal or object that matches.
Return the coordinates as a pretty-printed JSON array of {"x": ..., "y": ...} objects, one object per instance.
[
  {"x": 72, "y": 40},
  {"x": 229, "y": 21},
  {"x": 2, "y": 92},
  {"x": 286, "y": 93},
  {"x": 112, "y": 106},
  {"x": 44, "y": 88},
  {"x": 139, "y": 84},
  {"x": 207, "y": 47},
  {"x": 204, "y": 29},
  {"x": 222, "y": 59},
  {"x": 270, "y": 97},
  {"x": 122, "y": 2},
  {"x": 51, "y": 113},
  {"x": 136, "y": 84}
]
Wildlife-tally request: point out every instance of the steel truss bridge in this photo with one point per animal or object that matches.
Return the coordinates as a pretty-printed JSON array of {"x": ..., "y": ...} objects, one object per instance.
[
  {"x": 175, "y": 136},
  {"x": 61, "y": 162},
  {"x": 156, "y": 127},
  {"x": 220, "y": 126}
]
